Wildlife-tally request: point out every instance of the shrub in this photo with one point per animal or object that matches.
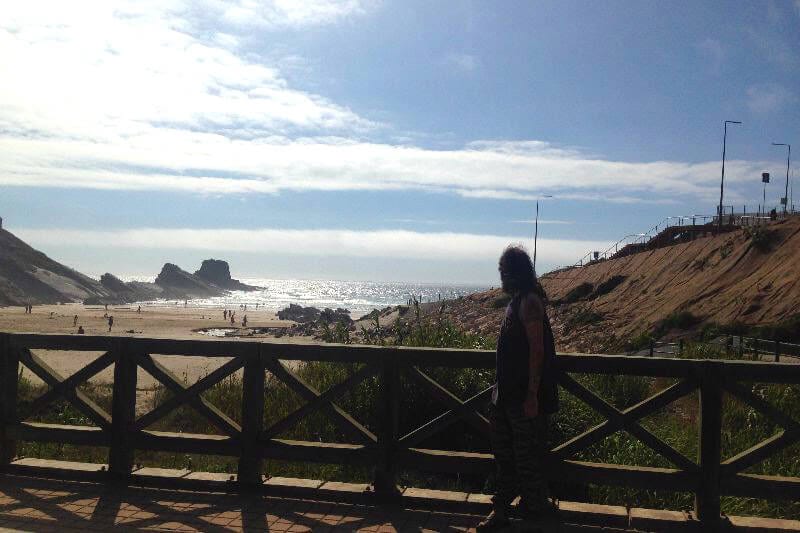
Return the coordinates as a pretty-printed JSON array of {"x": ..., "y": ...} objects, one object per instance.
[
  {"x": 578, "y": 293},
  {"x": 607, "y": 286},
  {"x": 761, "y": 238}
]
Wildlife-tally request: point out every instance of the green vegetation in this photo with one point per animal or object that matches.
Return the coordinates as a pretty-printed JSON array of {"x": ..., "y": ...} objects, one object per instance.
[
  {"x": 761, "y": 238},
  {"x": 607, "y": 286},
  {"x": 578, "y": 293}
]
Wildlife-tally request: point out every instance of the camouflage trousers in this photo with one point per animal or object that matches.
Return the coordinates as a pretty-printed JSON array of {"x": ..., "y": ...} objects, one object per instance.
[{"x": 519, "y": 445}]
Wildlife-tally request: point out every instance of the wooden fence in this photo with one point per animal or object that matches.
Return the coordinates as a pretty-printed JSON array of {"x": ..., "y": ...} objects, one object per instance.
[{"x": 708, "y": 475}]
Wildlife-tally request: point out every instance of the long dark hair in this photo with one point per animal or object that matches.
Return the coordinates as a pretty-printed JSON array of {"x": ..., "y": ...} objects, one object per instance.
[{"x": 517, "y": 269}]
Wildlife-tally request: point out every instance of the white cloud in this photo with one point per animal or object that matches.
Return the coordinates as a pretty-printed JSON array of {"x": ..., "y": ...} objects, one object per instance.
[
  {"x": 768, "y": 97},
  {"x": 147, "y": 96},
  {"x": 462, "y": 62},
  {"x": 400, "y": 244}
]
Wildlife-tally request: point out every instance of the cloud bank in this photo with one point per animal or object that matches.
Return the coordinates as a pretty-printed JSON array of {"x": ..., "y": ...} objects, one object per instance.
[
  {"x": 87, "y": 102},
  {"x": 399, "y": 244}
]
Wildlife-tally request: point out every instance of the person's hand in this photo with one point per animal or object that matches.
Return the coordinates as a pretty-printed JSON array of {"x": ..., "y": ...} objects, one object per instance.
[{"x": 531, "y": 405}]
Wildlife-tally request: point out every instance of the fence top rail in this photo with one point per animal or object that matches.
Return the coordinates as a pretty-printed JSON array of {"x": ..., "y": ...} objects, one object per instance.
[{"x": 430, "y": 357}]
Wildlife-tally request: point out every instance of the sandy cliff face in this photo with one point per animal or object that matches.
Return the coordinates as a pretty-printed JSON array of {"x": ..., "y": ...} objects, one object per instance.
[
  {"x": 723, "y": 279},
  {"x": 29, "y": 276}
]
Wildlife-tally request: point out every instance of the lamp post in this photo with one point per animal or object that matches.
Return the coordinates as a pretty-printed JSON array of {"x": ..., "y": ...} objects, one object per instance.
[
  {"x": 785, "y": 199},
  {"x": 722, "y": 181},
  {"x": 764, "y": 180},
  {"x": 536, "y": 230}
]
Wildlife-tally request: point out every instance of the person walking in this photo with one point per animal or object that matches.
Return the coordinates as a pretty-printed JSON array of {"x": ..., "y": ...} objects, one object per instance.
[
  {"x": 523, "y": 397},
  {"x": 74, "y": 321},
  {"x": 110, "y": 322}
]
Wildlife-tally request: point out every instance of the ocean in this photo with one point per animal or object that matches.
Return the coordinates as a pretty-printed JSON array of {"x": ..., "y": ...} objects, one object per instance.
[{"x": 359, "y": 297}]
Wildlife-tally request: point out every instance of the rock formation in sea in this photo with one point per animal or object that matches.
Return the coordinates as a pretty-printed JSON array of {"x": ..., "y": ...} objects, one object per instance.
[{"x": 217, "y": 272}]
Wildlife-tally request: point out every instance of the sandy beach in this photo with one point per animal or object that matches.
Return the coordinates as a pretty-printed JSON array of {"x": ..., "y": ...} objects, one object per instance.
[{"x": 167, "y": 321}]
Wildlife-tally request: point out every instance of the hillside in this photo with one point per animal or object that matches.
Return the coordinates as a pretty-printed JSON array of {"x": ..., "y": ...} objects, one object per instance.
[
  {"x": 734, "y": 278},
  {"x": 29, "y": 276}
]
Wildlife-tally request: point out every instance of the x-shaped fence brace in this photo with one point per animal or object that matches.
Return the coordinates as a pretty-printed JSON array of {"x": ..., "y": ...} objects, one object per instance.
[
  {"x": 458, "y": 410},
  {"x": 626, "y": 419},
  {"x": 316, "y": 400},
  {"x": 191, "y": 394},
  {"x": 67, "y": 387},
  {"x": 768, "y": 447}
]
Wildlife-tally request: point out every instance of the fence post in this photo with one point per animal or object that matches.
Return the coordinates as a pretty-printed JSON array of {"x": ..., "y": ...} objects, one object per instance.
[
  {"x": 652, "y": 347},
  {"x": 707, "y": 504},
  {"x": 123, "y": 410},
  {"x": 385, "y": 482},
  {"x": 9, "y": 368},
  {"x": 741, "y": 346},
  {"x": 777, "y": 351},
  {"x": 251, "y": 465}
]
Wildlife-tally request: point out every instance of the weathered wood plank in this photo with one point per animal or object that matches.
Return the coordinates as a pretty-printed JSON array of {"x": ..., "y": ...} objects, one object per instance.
[
  {"x": 61, "y": 388},
  {"x": 186, "y": 394},
  {"x": 762, "y": 406},
  {"x": 765, "y": 487},
  {"x": 251, "y": 466},
  {"x": 50, "y": 376},
  {"x": 123, "y": 410},
  {"x": 707, "y": 503},
  {"x": 168, "y": 379},
  {"x": 759, "y": 452},
  {"x": 59, "y": 433},
  {"x": 477, "y": 421},
  {"x": 319, "y": 452},
  {"x": 445, "y": 420},
  {"x": 9, "y": 368},
  {"x": 340, "y": 417},
  {"x": 320, "y": 401},
  {"x": 385, "y": 474},
  {"x": 45, "y": 341},
  {"x": 164, "y": 441}
]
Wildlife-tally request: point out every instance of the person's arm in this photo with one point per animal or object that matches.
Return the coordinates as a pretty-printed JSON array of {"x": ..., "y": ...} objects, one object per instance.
[{"x": 532, "y": 316}]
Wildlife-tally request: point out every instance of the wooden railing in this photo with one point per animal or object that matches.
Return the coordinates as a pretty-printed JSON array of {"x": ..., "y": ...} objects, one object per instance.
[{"x": 707, "y": 476}]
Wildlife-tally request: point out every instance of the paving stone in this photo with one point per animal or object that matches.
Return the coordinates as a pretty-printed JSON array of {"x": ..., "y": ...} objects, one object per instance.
[
  {"x": 432, "y": 494},
  {"x": 293, "y": 482}
]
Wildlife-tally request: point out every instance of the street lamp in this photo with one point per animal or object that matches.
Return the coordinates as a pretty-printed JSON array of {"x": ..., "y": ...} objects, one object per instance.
[
  {"x": 764, "y": 180},
  {"x": 722, "y": 181},
  {"x": 785, "y": 199},
  {"x": 536, "y": 230}
]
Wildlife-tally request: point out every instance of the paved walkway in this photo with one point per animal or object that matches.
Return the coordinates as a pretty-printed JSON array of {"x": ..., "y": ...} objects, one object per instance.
[{"x": 41, "y": 505}]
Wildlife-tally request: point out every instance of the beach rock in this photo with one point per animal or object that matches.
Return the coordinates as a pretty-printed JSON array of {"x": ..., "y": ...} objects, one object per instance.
[
  {"x": 334, "y": 316},
  {"x": 217, "y": 272},
  {"x": 300, "y": 314},
  {"x": 177, "y": 283}
]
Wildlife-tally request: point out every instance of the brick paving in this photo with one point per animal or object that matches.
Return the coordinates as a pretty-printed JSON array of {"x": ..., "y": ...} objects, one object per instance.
[{"x": 45, "y": 505}]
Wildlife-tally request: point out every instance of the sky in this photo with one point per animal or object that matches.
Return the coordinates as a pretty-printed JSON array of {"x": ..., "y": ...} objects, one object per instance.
[{"x": 382, "y": 140}]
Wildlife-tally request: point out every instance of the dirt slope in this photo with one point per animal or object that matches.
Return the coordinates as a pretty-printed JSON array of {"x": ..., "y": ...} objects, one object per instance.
[{"x": 722, "y": 279}]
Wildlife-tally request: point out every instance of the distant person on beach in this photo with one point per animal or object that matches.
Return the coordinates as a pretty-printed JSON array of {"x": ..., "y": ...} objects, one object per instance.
[
  {"x": 80, "y": 330},
  {"x": 225, "y": 314},
  {"x": 74, "y": 321},
  {"x": 244, "y": 321},
  {"x": 139, "y": 309},
  {"x": 231, "y": 319},
  {"x": 523, "y": 397},
  {"x": 110, "y": 322}
]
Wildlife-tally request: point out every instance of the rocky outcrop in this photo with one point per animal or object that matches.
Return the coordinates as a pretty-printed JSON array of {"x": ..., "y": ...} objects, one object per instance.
[
  {"x": 177, "y": 283},
  {"x": 29, "y": 276},
  {"x": 128, "y": 292},
  {"x": 298, "y": 313},
  {"x": 217, "y": 272}
]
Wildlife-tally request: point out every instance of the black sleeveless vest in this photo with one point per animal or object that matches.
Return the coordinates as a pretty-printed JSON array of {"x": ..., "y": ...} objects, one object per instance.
[{"x": 513, "y": 360}]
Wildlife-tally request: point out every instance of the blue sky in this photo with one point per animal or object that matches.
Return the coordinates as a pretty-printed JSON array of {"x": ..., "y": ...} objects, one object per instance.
[{"x": 382, "y": 140}]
